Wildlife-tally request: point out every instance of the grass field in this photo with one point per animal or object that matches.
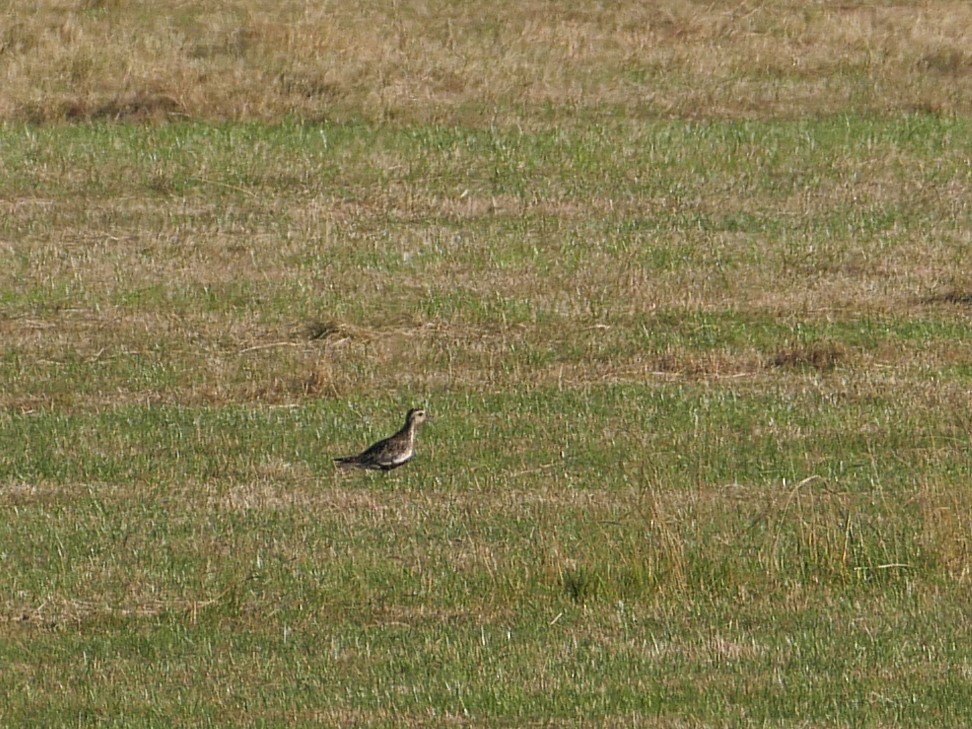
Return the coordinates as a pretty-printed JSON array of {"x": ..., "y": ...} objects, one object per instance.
[{"x": 687, "y": 293}]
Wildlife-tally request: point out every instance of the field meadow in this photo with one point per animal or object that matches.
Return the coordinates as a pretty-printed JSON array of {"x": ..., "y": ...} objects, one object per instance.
[{"x": 686, "y": 290}]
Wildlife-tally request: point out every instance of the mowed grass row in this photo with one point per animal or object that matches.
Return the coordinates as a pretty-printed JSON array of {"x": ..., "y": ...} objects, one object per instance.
[
  {"x": 277, "y": 259},
  {"x": 700, "y": 440}
]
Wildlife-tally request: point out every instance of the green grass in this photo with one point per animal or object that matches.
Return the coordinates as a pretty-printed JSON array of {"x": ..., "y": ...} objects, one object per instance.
[
  {"x": 618, "y": 552},
  {"x": 699, "y": 453}
]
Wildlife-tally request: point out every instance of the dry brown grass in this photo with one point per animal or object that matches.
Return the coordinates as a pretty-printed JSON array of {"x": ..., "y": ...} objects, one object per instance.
[
  {"x": 213, "y": 360},
  {"x": 436, "y": 61}
]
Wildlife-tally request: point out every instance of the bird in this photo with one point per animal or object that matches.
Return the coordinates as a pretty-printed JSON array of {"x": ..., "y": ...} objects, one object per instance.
[{"x": 391, "y": 452}]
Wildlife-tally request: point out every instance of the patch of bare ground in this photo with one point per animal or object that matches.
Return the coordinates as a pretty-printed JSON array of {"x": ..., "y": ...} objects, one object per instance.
[
  {"x": 961, "y": 297},
  {"x": 340, "y": 493},
  {"x": 640, "y": 368},
  {"x": 417, "y": 615},
  {"x": 472, "y": 206},
  {"x": 702, "y": 365},
  {"x": 822, "y": 356},
  {"x": 59, "y": 612},
  {"x": 18, "y": 492},
  {"x": 326, "y": 495},
  {"x": 139, "y": 106}
]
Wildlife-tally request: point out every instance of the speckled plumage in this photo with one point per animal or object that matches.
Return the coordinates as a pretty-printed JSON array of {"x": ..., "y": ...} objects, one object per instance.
[{"x": 391, "y": 452}]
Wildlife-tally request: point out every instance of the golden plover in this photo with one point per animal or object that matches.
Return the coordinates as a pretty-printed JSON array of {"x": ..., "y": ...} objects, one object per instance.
[{"x": 393, "y": 451}]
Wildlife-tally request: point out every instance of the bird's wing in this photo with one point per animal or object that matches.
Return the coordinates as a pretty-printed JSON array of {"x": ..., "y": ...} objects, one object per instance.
[{"x": 375, "y": 450}]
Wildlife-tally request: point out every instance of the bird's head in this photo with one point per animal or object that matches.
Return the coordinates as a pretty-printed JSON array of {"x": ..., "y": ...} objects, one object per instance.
[{"x": 416, "y": 416}]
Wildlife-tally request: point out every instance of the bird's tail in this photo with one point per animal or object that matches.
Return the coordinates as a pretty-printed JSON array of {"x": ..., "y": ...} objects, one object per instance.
[{"x": 345, "y": 462}]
